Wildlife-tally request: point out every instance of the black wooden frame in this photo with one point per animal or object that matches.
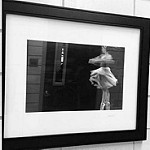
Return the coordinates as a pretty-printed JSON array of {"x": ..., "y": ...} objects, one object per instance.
[{"x": 76, "y": 15}]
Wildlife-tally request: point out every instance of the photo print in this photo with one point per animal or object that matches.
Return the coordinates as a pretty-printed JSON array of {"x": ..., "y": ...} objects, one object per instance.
[{"x": 73, "y": 77}]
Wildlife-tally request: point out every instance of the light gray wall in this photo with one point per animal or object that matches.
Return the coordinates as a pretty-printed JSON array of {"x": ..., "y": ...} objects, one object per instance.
[{"x": 125, "y": 7}]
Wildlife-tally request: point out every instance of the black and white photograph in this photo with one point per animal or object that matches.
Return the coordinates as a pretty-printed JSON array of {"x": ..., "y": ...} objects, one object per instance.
[{"x": 70, "y": 77}]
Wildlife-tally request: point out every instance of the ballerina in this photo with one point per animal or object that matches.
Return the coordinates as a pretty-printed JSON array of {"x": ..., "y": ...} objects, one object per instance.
[{"x": 102, "y": 77}]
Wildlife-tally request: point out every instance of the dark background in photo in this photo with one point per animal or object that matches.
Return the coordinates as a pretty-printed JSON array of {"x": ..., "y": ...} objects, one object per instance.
[{"x": 58, "y": 77}]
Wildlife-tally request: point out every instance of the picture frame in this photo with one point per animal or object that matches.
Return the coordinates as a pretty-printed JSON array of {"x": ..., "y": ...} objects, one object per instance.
[{"x": 25, "y": 23}]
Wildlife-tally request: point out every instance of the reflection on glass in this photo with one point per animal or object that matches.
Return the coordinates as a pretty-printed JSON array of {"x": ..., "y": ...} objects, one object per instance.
[{"x": 59, "y": 77}]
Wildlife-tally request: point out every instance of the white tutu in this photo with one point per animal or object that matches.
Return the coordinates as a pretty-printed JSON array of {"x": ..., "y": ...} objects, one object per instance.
[{"x": 103, "y": 78}]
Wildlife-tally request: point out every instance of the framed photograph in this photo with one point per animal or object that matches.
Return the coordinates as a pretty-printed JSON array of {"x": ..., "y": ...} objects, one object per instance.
[{"x": 72, "y": 77}]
